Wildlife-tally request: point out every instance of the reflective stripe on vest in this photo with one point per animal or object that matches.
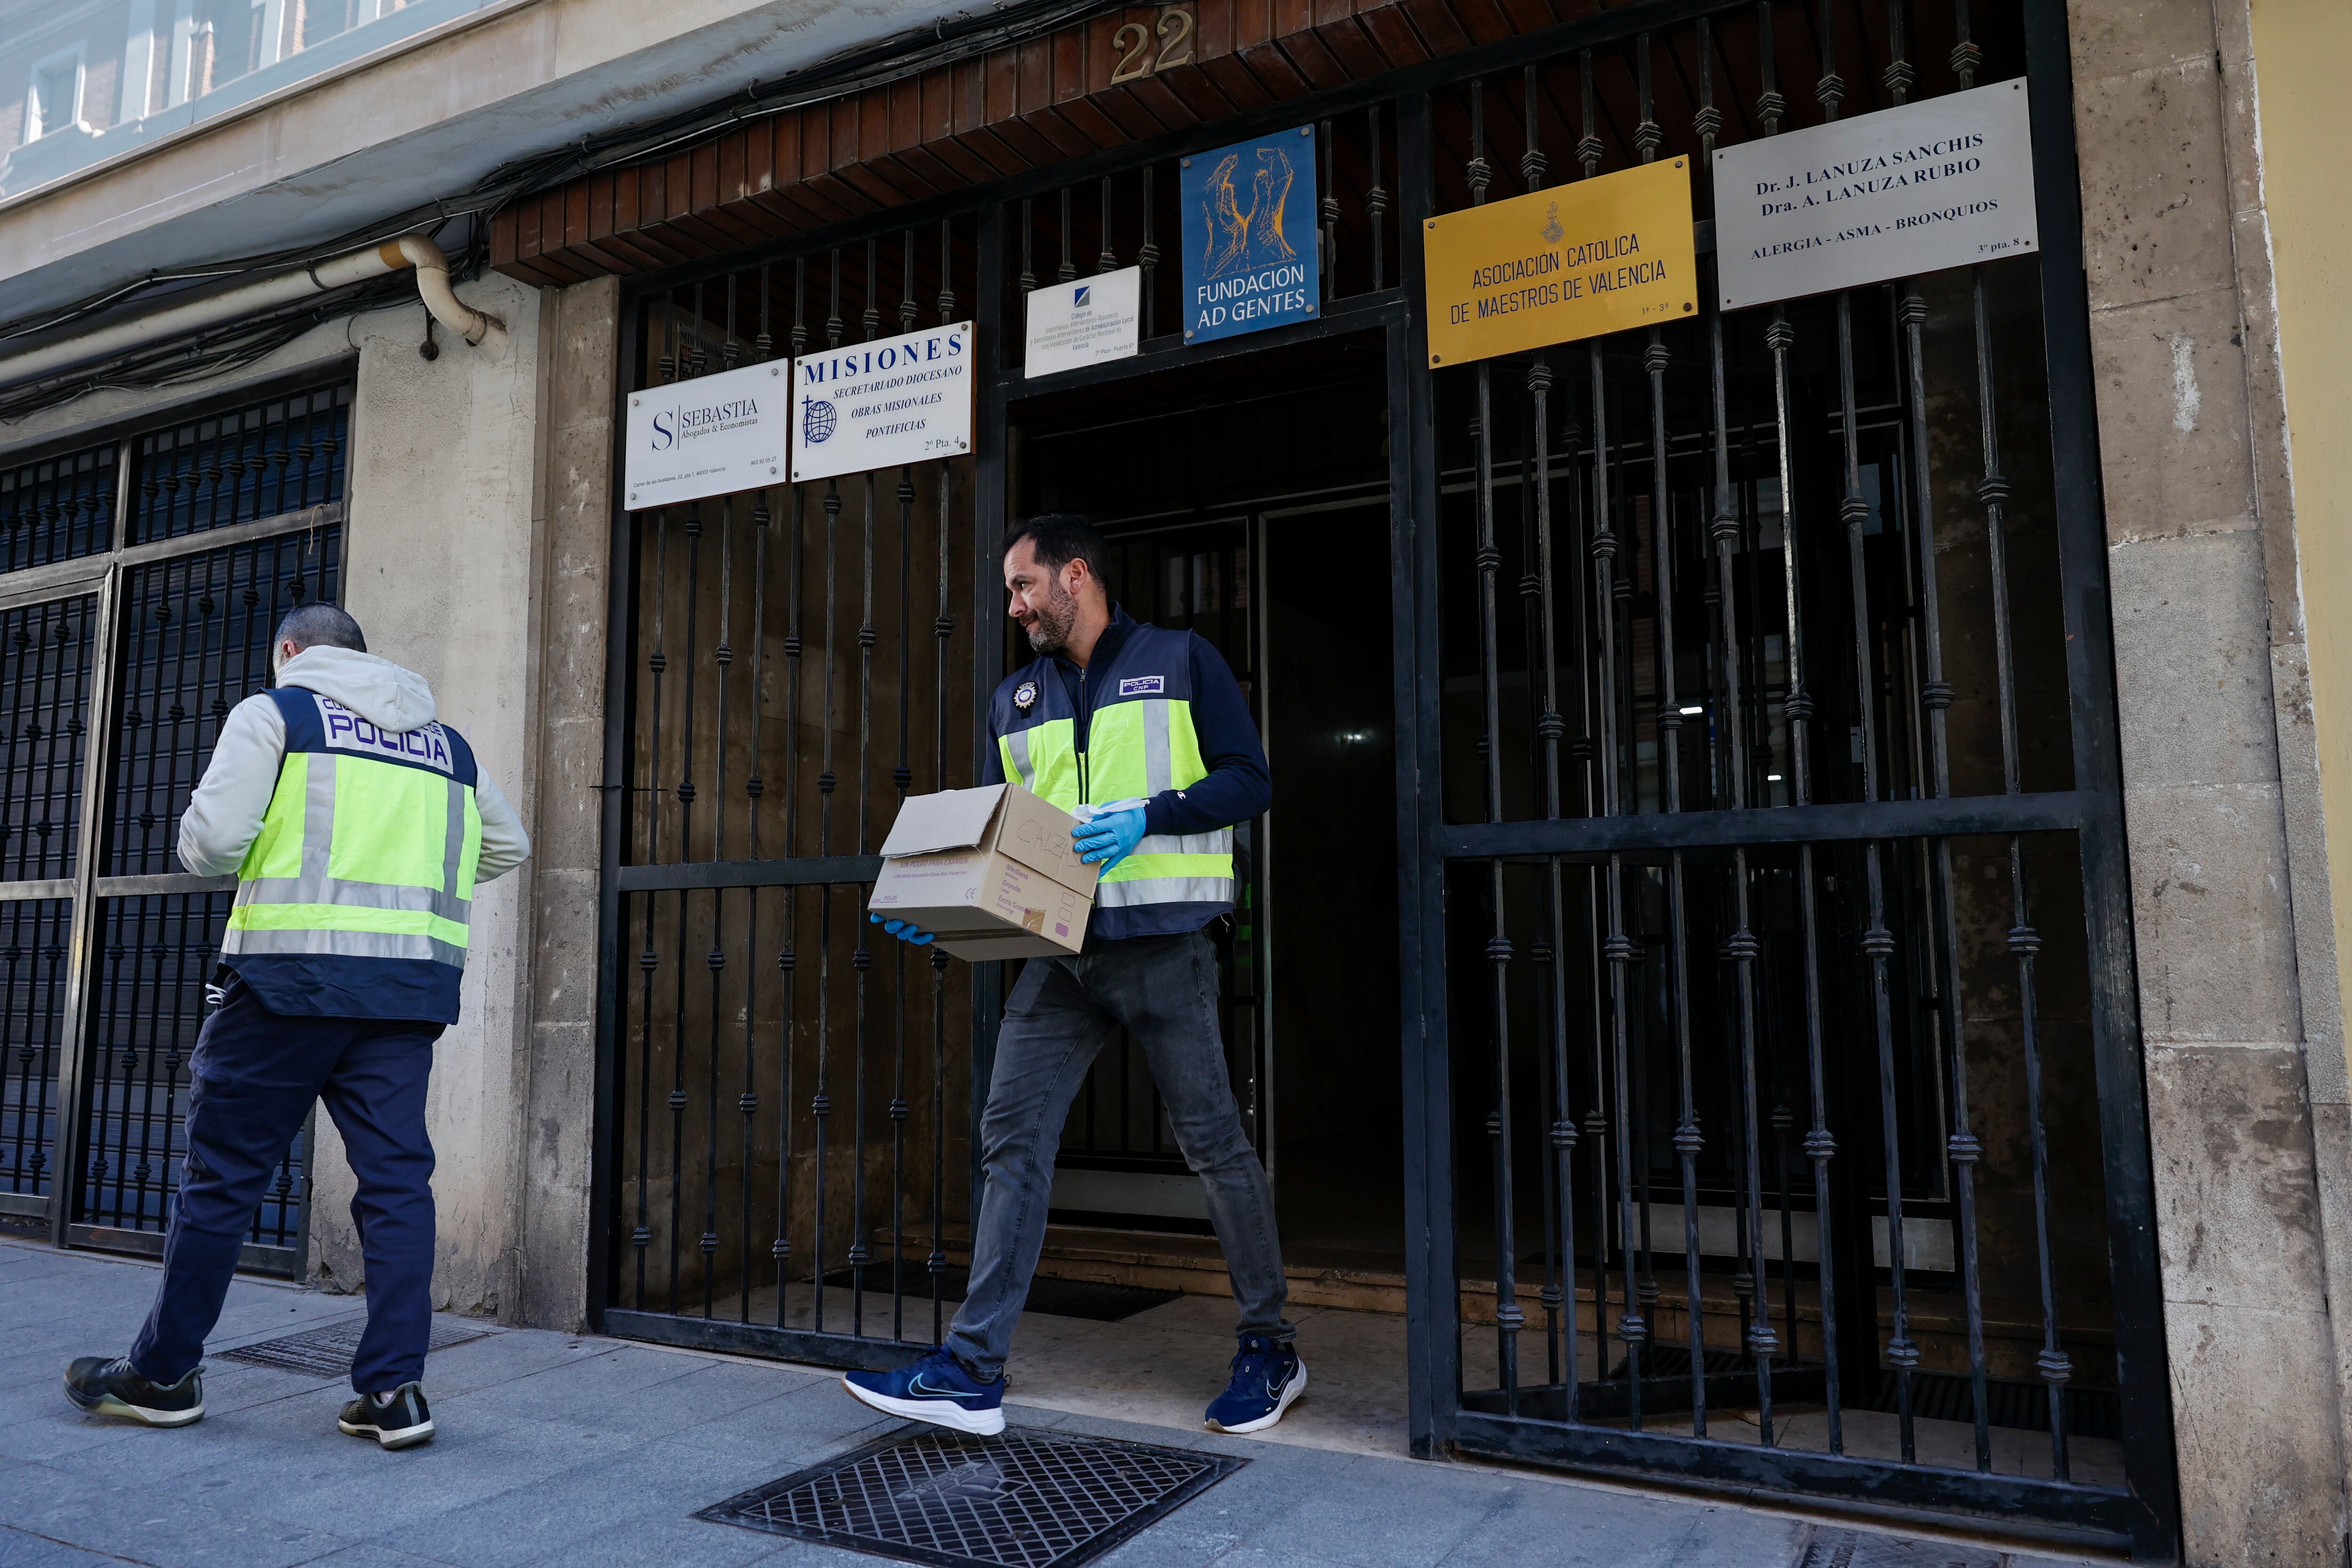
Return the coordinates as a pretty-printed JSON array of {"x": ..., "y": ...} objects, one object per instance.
[
  {"x": 1139, "y": 745},
  {"x": 359, "y": 855}
]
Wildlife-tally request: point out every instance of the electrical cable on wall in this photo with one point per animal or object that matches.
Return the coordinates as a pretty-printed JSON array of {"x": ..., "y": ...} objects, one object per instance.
[{"x": 199, "y": 357}]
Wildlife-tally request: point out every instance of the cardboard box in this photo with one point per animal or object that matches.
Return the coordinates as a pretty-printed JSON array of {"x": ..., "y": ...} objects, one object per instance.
[{"x": 992, "y": 871}]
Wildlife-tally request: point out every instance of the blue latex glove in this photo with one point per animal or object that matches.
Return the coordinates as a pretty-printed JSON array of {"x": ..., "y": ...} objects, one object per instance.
[
  {"x": 1110, "y": 838},
  {"x": 903, "y": 931}
]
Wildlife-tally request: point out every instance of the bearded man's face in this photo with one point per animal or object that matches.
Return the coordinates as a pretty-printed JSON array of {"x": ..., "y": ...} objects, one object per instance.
[{"x": 1037, "y": 599}]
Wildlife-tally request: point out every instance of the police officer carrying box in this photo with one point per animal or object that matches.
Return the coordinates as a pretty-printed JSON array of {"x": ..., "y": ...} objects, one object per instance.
[
  {"x": 358, "y": 828},
  {"x": 1144, "y": 735}
]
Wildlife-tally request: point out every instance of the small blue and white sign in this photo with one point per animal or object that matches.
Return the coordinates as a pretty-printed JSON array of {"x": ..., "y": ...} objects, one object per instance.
[
  {"x": 880, "y": 404},
  {"x": 1073, "y": 325},
  {"x": 1251, "y": 258}
]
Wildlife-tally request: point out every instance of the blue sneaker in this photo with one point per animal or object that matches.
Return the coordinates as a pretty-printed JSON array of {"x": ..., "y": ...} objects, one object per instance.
[
  {"x": 936, "y": 1389},
  {"x": 1268, "y": 1377}
]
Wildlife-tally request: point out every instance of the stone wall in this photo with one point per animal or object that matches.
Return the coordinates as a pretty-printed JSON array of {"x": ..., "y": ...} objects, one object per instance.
[
  {"x": 556, "y": 1081},
  {"x": 438, "y": 570},
  {"x": 440, "y": 560},
  {"x": 2228, "y": 852}
]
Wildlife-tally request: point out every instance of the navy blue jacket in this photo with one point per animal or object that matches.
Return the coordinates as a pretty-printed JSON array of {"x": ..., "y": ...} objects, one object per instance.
[{"x": 1237, "y": 788}]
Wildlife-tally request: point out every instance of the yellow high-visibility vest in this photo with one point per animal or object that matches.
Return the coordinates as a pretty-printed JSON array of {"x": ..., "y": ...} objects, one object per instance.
[
  {"x": 358, "y": 892},
  {"x": 1139, "y": 743}
]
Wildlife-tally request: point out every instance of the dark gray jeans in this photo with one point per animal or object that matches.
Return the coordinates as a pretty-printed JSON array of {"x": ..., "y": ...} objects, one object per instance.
[{"x": 1164, "y": 990}]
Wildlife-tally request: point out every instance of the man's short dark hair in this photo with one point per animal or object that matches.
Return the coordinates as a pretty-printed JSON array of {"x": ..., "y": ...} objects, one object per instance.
[
  {"x": 321, "y": 626},
  {"x": 1057, "y": 538}
]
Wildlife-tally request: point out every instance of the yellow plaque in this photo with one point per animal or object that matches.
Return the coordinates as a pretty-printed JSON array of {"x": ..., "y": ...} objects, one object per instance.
[{"x": 1576, "y": 261}]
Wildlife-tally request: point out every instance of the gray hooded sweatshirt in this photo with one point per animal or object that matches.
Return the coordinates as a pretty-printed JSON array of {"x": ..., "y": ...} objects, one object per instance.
[{"x": 224, "y": 816}]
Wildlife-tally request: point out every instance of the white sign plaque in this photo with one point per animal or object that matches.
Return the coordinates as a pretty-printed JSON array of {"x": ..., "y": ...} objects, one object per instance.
[
  {"x": 709, "y": 437},
  {"x": 1073, "y": 325},
  {"x": 1905, "y": 191},
  {"x": 879, "y": 404}
]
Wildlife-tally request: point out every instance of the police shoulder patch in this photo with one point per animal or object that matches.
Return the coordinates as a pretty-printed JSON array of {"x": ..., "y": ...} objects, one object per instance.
[{"x": 1024, "y": 696}]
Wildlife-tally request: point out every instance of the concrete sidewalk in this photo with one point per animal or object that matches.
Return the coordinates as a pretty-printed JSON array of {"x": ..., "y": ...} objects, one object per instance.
[{"x": 583, "y": 1451}]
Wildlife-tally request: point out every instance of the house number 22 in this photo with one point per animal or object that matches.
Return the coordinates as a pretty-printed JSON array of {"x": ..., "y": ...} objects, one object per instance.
[{"x": 1133, "y": 43}]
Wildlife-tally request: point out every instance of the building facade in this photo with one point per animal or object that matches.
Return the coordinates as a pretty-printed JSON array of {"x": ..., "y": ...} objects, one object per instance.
[{"x": 1796, "y": 943}]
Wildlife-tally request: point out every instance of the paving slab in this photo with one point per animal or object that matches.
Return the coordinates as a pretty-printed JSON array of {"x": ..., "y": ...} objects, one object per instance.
[
  {"x": 147, "y": 1527},
  {"x": 672, "y": 1543},
  {"x": 19, "y": 1549}
]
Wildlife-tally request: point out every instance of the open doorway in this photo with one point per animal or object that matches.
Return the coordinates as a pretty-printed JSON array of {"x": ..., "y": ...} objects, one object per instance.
[{"x": 1248, "y": 501}]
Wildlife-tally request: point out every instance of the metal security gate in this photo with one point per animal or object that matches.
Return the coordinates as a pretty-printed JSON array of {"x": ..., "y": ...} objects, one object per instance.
[
  {"x": 1767, "y": 1003},
  {"x": 783, "y": 1110},
  {"x": 1775, "y": 928},
  {"x": 142, "y": 571}
]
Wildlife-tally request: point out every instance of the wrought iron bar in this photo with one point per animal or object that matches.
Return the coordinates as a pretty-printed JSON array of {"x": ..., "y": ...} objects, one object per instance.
[
  {"x": 2051, "y": 1364},
  {"x": 1741, "y": 948},
  {"x": 1797, "y": 709},
  {"x": 748, "y": 1103},
  {"x": 1961, "y": 1146},
  {"x": 1621, "y": 951},
  {"x": 716, "y": 960},
  {"x": 902, "y": 777},
  {"x": 1508, "y": 1316},
  {"x": 821, "y": 1104},
  {"x": 942, "y": 630},
  {"x": 1878, "y": 941},
  {"x": 1543, "y": 953},
  {"x": 787, "y": 956},
  {"x": 1551, "y": 727}
]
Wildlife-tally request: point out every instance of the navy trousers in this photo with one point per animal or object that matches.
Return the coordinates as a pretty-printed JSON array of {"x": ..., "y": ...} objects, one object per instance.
[{"x": 255, "y": 1074}]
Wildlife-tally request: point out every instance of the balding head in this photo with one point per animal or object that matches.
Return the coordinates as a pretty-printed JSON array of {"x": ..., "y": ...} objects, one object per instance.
[{"x": 316, "y": 625}]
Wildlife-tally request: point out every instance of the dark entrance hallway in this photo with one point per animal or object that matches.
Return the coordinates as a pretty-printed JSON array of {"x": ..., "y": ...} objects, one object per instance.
[{"x": 1249, "y": 503}]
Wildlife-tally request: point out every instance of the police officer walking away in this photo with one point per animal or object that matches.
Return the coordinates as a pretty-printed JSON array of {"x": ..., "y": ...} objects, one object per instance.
[
  {"x": 358, "y": 828},
  {"x": 1144, "y": 735}
]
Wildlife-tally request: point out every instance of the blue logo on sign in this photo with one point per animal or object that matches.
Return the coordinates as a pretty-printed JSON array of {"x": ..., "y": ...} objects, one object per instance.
[
  {"x": 1250, "y": 240},
  {"x": 817, "y": 420},
  {"x": 1085, "y": 291}
]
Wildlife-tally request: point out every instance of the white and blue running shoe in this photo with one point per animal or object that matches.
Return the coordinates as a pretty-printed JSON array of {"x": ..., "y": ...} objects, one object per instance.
[
  {"x": 936, "y": 1389},
  {"x": 1268, "y": 1377}
]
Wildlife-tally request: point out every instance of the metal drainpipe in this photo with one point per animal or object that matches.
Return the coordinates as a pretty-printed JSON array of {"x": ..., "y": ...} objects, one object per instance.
[{"x": 263, "y": 294}]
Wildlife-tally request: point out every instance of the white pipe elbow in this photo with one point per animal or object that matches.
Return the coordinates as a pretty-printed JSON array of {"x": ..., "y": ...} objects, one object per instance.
[{"x": 433, "y": 288}]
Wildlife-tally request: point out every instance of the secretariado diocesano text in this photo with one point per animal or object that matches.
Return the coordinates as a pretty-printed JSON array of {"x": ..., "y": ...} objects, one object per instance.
[{"x": 1547, "y": 279}]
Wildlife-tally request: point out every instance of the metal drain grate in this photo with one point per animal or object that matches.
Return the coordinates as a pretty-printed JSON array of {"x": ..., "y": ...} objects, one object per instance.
[
  {"x": 1029, "y": 1498},
  {"x": 1867, "y": 1549},
  {"x": 327, "y": 1352}
]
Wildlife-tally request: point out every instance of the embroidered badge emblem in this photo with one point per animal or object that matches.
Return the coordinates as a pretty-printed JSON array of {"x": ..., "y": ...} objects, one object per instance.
[{"x": 1024, "y": 696}]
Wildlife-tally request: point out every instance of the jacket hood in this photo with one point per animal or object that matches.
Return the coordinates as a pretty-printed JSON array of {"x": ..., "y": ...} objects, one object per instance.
[{"x": 376, "y": 689}]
